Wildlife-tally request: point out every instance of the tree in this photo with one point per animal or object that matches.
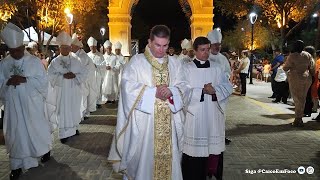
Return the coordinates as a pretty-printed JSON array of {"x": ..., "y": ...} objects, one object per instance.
[
  {"x": 240, "y": 38},
  {"x": 273, "y": 12},
  {"x": 48, "y": 15},
  {"x": 92, "y": 22},
  {"x": 7, "y": 9}
]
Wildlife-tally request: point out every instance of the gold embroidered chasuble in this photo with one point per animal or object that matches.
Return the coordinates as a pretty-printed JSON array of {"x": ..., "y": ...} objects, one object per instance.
[{"x": 162, "y": 122}]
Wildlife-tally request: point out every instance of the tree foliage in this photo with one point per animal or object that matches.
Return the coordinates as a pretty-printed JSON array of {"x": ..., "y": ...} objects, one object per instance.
[
  {"x": 240, "y": 38},
  {"x": 7, "y": 9},
  {"x": 93, "y": 20},
  {"x": 274, "y": 13},
  {"x": 48, "y": 15},
  {"x": 272, "y": 10}
]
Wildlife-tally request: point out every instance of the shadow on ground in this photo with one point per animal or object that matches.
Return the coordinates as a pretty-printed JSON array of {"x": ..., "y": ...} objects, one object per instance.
[
  {"x": 109, "y": 121},
  {"x": 50, "y": 170},
  {"x": 106, "y": 109},
  {"x": 279, "y": 116},
  {"x": 85, "y": 142},
  {"x": 243, "y": 129}
]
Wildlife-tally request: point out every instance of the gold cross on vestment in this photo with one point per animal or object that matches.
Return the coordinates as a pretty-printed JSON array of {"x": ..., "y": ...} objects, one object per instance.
[{"x": 161, "y": 75}]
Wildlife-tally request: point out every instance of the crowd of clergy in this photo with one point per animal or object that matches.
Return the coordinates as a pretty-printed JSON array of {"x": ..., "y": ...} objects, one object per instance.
[
  {"x": 64, "y": 93},
  {"x": 184, "y": 97}
]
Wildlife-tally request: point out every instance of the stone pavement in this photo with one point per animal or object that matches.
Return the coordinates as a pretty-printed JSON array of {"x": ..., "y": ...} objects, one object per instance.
[
  {"x": 82, "y": 157},
  {"x": 260, "y": 132},
  {"x": 263, "y": 139}
]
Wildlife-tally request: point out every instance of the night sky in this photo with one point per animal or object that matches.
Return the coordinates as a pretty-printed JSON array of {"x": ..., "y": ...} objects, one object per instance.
[
  {"x": 225, "y": 23},
  {"x": 148, "y": 13},
  {"x": 167, "y": 12}
]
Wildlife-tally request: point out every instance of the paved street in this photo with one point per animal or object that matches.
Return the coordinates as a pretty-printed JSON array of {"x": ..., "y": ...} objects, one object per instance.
[{"x": 260, "y": 132}]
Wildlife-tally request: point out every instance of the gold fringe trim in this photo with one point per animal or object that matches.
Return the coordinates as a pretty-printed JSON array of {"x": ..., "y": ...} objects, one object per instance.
[{"x": 129, "y": 118}]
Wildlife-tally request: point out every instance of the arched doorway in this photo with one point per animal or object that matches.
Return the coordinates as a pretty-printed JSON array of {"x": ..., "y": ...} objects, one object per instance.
[
  {"x": 120, "y": 20},
  {"x": 172, "y": 13}
]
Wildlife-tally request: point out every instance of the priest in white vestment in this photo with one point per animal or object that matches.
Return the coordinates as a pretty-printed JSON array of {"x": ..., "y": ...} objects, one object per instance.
[
  {"x": 66, "y": 74},
  {"x": 190, "y": 53},
  {"x": 204, "y": 130},
  {"x": 110, "y": 81},
  {"x": 187, "y": 53},
  {"x": 215, "y": 38},
  {"x": 148, "y": 138},
  {"x": 24, "y": 87},
  {"x": 97, "y": 59},
  {"x": 184, "y": 52},
  {"x": 89, "y": 88},
  {"x": 119, "y": 64}
]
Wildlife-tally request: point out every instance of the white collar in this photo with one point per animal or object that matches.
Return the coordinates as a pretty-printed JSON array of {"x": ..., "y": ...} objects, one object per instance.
[{"x": 201, "y": 62}]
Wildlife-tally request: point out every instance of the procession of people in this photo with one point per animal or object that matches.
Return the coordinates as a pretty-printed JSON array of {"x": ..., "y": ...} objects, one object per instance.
[{"x": 171, "y": 108}]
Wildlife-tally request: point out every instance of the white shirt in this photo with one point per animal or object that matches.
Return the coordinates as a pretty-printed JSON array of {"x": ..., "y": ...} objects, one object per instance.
[
  {"x": 281, "y": 75},
  {"x": 246, "y": 69}
]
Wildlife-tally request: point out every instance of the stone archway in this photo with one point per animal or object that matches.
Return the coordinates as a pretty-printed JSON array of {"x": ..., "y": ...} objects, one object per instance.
[{"x": 120, "y": 20}]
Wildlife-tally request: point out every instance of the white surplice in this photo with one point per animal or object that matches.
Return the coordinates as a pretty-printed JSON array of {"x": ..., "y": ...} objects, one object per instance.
[
  {"x": 223, "y": 61},
  {"x": 89, "y": 90},
  {"x": 97, "y": 59},
  {"x": 67, "y": 92},
  {"x": 132, "y": 149},
  {"x": 204, "y": 131},
  {"x": 26, "y": 129},
  {"x": 110, "y": 82}
]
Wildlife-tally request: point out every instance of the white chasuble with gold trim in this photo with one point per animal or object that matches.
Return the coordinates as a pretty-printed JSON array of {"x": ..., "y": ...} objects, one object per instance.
[{"x": 148, "y": 138}]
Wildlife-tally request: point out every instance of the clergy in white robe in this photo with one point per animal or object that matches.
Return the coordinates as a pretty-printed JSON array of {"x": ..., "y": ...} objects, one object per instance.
[
  {"x": 204, "y": 130},
  {"x": 148, "y": 137},
  {"x": 24, "y": 86},
  {"x": 190, "y": 53},
  {"x": 89, "y": 88},
  {"x": 215, "y": 38},
  {"x": 184, "y": 52},
  {"x": 66, "y": 74},
  {"x": 110, "y": 81},
  {"x": 97, "y": 59},
  {"x": 119, "y": 64}
]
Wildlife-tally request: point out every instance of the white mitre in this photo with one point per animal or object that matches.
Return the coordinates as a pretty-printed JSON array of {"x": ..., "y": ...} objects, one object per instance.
[
  {"x": 92, "y": 42},
  {"x": 215, "y": 36},
  {"x": 12, "y": 35},
  {"x": 64, "y": 39},
  {"x": 107, "y": 44},
  {"x": 188, "y": 46},
  {"x": 184, "y": 43},
  {"x": 117, "y": 45},
  {"x": 75, "y": 40}
]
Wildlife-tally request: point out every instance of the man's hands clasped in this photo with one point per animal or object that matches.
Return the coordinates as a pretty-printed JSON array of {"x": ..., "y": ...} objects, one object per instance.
[
  {"x": 163, "y": 92},
  {"x": 16, "y": 80},
  {"x": 69, "y": 75},
  {"x": 208, "y": 89}
]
